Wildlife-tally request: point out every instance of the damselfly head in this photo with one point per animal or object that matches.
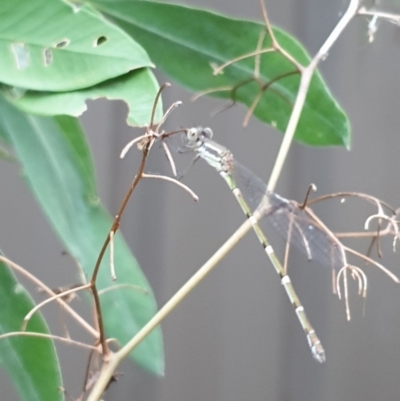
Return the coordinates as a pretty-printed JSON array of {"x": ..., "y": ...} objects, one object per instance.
[{"x": 197, "y": 135}]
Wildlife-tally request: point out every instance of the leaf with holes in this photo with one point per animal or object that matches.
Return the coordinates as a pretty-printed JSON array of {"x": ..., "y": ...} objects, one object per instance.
[
  {"x": 60, "y": 46},
  {"x": 187, "y": 42},
  {"x": 31, "y": 362},
  {"x": 57, "y": 166},
  {"x": 137, "y": 88}
]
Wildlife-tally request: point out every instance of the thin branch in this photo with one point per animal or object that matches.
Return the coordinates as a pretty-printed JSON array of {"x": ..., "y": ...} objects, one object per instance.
[
  {"x": 115, "y": 359},
  {"x": 252, "y": 107},
  {"x": 126, "y": 148},
  {"x": 209, "y": 91},
  {"x": 275, "y": 43},
  {"x": 343, "y": 272},
  {"x": 152, "y": 136},
  {"x": 169, "y": 158},
  {"x": 374, "y": 262},
  {"x": 48, "y": 290},
  {"x": 112, "y": 267},
  {"x": 87, "y": 373},
  {"x": 391, "y": 223},
  {"x": 257, "y": 52},
  {"x": 48, "y": 300},
  {"x": 306, "y": 76},
  {"x": 263, "y": 89},
  {"x": 153, "y": 112},
  {"x": 391, "y": 17},
  {"x": 372, "y": 199},
  {"x": 118, "y": 286},
  {"x": 257, "y": 58},
  {"x": 46, "y": 336},
  {"x": 366, "y": 234},
  {"x": 311, "y": 187},
  {"x": 167, "y": 113},
  {"x": 114, "y": 228},
  {"x": 357, "y": 274},
  {"x": 173, "y": 180}
]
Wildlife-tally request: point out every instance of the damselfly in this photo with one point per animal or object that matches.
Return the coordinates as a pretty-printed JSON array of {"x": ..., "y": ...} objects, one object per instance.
[{"x": 287, "y": 217}]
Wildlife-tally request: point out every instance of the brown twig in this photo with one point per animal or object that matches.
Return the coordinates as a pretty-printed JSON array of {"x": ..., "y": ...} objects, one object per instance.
[
  {"x": 258, "y": 52},
  {"x": 275, "y": 43},
  {"x": 46, "y": 336},
  {"x": 48, "y": 300},
  {"x": 311, "y": 187},
  {"x": 47, "y": 290},
  {"x": 173, "y": 180},
  {"x": 118, "y": 286},
  {"x": 115, "y": 226},
  {"x": 144, "y": 143},
  {"x": 114, "y": 229},
  {"x": 369, "y": 198}
]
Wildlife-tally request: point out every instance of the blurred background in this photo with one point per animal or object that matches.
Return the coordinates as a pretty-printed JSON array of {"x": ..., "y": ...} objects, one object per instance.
[{"x": 236, "y": 336}]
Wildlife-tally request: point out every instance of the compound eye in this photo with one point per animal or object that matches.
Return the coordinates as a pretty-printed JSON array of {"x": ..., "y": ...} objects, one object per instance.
[
  {"x": 207, "y": 132},
  {"x": 192, "y": 134}
]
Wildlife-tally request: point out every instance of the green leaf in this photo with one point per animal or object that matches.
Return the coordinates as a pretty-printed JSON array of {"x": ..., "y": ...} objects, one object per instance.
[
  {"x": 31, "y": 362},
  {"x": 55, "y": 46},
  {"x": 185, "y": 42},
  {"x": 137, "y": 88},
  {"x": 57, "y": 166}
]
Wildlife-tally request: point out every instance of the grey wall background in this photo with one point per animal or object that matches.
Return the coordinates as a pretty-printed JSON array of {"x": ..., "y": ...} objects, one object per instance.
[{"x": 236, "y": 337}]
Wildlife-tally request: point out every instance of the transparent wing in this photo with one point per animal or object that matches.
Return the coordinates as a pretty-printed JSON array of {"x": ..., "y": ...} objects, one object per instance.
[{"x": 293, "y": 223}]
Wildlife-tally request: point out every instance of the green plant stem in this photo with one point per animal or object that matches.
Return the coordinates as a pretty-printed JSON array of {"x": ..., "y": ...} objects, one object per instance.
[
  {"x": 115, "y": 359},
  {"x": 291, "y": 129},
  {"x": 306, "y": 76}
]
